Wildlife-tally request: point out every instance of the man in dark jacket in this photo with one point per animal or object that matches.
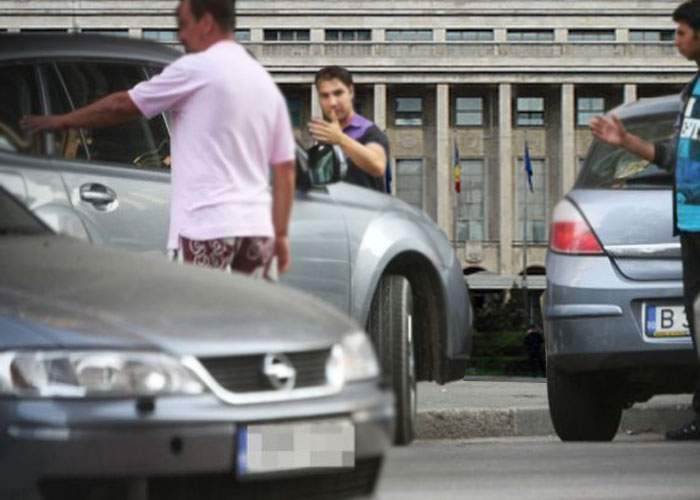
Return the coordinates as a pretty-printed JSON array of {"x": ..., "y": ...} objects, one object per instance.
[{"x": 682, "y": 156}]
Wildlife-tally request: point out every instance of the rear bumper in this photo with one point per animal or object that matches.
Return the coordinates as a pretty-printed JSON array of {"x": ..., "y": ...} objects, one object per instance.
[
  {"x": 52, "y": 442},
  {"x": 593, "y": 318}
]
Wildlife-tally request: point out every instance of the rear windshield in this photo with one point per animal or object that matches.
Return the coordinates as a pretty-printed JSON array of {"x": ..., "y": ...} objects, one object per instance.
[
  {"x": 614, "y": 168},
  {"x": 15, "y": 220}
]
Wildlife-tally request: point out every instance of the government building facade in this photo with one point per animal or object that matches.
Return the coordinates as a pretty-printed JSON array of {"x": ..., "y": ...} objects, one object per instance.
[{"x": 466, "y": 82}]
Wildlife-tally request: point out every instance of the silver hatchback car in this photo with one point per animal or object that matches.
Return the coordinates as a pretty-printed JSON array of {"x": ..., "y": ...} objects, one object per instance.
[
  {"x": 615, "y": 327},
  {"x": 380, "y": 261}
]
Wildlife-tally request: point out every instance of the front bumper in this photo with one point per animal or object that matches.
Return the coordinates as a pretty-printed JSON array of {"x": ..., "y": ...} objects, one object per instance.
[
  {"x": 48, "y": 442},
  {"x": 593, "y": 318}
]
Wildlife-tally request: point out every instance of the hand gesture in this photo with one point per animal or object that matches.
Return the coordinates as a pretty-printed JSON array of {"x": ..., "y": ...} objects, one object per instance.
[
  {"x": 327, "y": 132},
  {"x": 608, "y": 129},
  {"x": 39, "y": 123}
]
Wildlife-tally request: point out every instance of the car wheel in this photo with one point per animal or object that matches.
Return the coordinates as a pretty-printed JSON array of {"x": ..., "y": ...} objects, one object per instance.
[
  {"x": 580, "y": 408},
  {"x": 391, "y": 328}
]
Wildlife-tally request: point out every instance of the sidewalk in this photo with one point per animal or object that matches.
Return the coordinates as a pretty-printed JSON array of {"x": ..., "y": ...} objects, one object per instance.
[{"x": 501, "y": 407}]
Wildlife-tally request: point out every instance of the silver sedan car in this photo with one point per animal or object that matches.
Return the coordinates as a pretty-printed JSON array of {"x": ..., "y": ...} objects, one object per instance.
[
  {"x": 385, "y": 264},
  {"x": 615, "y": 327},
  {"x": 123, "y": 376}
]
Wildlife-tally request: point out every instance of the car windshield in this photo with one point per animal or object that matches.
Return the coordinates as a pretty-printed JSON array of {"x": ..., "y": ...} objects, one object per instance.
[
  {"x": 610, "y": 167},
  {"x": 16, "y": 220}
]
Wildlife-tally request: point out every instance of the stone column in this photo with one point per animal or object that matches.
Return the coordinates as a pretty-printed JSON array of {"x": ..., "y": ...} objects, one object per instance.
[
  {"x": 630, "y": 92},
  {"x": 567, "y": 156},
  {"x": 380, "y": 106},
  {"x": 506, "y": 189},
  {"x": 315, "y": 105},
  {"x": 443, "y": 160}
]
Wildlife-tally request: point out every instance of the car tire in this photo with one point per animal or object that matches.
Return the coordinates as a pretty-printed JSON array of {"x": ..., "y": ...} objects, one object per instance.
[
  {"x": 580, "y": 408},
  {"x": 391, "y": 329}
]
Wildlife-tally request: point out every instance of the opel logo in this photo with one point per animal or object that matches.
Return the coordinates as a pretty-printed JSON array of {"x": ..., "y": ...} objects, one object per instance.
[{"x": 279, "y": 371}]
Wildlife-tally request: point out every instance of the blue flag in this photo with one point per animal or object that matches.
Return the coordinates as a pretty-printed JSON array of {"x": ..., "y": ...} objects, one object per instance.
[{"x": 528, "y": 168}]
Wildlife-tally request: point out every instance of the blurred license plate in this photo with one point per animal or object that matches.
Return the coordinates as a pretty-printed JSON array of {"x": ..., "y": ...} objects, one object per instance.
[
  {"x": 292, "y": 446},
  {"x": 665, "y": 321}
]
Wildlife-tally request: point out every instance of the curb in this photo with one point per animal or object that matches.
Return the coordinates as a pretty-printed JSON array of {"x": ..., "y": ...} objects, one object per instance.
[{"x": 468, "y": 423}]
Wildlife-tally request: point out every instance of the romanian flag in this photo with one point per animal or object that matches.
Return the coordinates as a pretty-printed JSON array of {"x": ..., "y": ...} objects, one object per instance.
[{"x": 457, "y": 169}]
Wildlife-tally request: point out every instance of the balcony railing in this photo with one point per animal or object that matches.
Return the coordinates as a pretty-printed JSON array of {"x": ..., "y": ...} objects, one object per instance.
[{"x": 270, "y": 51}]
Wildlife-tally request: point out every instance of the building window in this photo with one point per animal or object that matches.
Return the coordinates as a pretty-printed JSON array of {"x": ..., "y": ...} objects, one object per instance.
[
  {"x": 652, "y": 35},
  {"x": 110, "y": 32},
  {"x": 348, "y": 35},
  {"x": 409, "y": 181},
  {"x": 536, "y": 202},
  {"x": 587, "y": 108},
  {"x": 591, "y": 35},
  {"x": 294, "y": 105},
  {"x": 286, "y": 35},
  {"x": 470, "y": 36},
  {"x": 242, "y": 35},
  {"x": 471, "y": 205},
  {"x": 530, "y": 112},
  {"x": 408, "y": 111},
  {"x": 469, "y": 111},
  {"x": 162, "y": 36},
  {"x": 44, "y": 30},
  {"x": 530, "y": 35},
  {"x": 409, "y": 35}
]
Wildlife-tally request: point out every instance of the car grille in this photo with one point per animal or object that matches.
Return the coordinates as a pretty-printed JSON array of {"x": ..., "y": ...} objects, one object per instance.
[
  {"x": 360, "y": 480},
  {"x": 244, "y": 374}
]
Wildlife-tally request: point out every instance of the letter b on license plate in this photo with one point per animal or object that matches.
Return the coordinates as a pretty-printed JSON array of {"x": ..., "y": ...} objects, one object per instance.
[{"x": 665, "y": 321}]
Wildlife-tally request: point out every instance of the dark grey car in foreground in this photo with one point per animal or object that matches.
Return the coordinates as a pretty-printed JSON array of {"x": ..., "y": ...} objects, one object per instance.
[
  {"x": 382, "y": 262},
  {"x": 124, "y": 376},
  {"x": 615, "y": 327}
]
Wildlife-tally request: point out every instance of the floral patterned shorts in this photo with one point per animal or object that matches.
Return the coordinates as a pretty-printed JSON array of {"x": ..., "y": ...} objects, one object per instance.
[{"x": 253, "y": 256}]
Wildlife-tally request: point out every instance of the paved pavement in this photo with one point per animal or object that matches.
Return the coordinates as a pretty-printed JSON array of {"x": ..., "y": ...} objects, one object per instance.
[
  {"x": 641, "y": 467},
  {"x": 500, "y": 407}
]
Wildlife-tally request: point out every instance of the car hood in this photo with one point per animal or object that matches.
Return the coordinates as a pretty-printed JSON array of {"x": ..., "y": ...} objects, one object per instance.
[{"x": 65, "y": 293}]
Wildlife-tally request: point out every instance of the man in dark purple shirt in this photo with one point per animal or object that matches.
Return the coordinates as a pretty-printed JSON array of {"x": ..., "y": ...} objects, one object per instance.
[{"x": 365, "y": 146}]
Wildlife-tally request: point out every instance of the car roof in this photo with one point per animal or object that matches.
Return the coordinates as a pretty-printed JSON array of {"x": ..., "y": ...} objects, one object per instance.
[
  {"x": 51, "y": 46},
  {"x": 668, "y": 104}
]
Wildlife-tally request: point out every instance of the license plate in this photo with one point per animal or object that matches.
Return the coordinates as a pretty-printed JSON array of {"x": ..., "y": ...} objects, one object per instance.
[
  {"x": 295, "y": 446},
  {"x": 665, "y": 321}
]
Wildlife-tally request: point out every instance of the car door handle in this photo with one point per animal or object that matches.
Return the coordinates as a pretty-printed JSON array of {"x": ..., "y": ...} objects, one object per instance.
[{"x": 97, "y": 194}]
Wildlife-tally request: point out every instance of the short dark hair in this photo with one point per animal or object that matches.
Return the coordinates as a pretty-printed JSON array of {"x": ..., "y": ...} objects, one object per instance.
[
  {"x": 689, "y": 13},
  {"x": 334, "y": 73},
  {"x": 223, "y": 11}
]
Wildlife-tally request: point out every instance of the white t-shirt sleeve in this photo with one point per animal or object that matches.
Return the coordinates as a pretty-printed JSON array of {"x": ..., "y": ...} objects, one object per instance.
[
  {"x": 283, "y": 143},
  {"x": 167, "y": 90}
]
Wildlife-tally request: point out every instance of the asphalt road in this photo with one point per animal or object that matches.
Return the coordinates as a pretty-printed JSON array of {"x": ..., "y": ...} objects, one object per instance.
[{"x": 632, "y": 467}]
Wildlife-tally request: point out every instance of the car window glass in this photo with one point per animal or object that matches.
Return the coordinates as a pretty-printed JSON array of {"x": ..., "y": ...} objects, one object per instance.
[
  {"x": 20, "y": 97},
  {"x": 611, "y": 167},
  {"x": 140, "y": 143},
  {"x": 17, "y": 220}
]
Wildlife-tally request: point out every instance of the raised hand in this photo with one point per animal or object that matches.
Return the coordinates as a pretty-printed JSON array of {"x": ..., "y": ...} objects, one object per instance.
[{"x": 608, "y": 129}]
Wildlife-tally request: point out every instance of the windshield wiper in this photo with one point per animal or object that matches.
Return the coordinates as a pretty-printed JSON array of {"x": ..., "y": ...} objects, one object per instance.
[
  {"x": 648, "y": 178},
  {"x": 21, "y": 231}
]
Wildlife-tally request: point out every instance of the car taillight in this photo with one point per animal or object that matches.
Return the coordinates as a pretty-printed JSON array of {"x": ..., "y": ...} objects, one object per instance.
[{"x": 570, "y": 233}]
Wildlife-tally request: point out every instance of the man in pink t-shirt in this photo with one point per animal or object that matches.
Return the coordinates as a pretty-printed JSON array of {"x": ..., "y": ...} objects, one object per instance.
[{"x": 230, "y": 125}]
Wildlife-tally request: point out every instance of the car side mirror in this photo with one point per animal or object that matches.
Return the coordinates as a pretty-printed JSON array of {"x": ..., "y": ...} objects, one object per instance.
[{"x": 326, "y": 164}]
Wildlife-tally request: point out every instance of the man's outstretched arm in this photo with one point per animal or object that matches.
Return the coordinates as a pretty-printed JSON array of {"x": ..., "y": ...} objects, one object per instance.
[
  {"x": 113, "y": 109},
  {"x": 610, "y": 129},
  {"x": 282, "y": 199}
]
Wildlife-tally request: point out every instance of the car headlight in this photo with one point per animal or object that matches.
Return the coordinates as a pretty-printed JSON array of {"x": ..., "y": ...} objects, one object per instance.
[
  {"x": 76, "y": 374},
  {"x": 358, "y": 359}
]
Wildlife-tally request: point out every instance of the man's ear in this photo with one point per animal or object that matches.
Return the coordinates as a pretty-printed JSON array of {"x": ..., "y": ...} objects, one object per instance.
[
  {"x": 351, "y": 91},
  {"x": 208, "y": 23}
]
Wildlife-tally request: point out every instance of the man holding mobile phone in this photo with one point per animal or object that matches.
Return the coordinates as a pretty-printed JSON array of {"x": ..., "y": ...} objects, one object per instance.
[{"x": 364, "y": 145}]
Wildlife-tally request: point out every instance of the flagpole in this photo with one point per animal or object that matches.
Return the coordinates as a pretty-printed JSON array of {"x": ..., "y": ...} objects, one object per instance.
[{"x": 526, "y": 303}]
